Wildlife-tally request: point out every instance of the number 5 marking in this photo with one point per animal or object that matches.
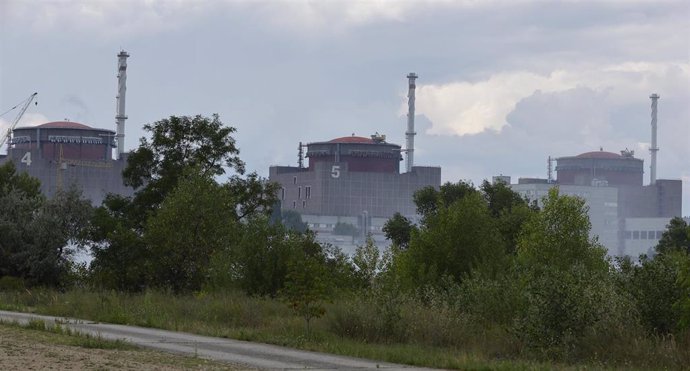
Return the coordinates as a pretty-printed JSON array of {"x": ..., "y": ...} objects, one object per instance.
[{"x": 335, "y": 171}]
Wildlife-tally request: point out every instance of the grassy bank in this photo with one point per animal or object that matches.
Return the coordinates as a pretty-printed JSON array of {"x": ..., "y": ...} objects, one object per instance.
[{"x": 401, "y": 331}]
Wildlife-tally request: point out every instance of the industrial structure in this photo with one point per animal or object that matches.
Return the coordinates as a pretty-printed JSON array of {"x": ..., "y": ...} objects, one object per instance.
[
  {"x": 64, "y": 154},
  {"x": 354, "y": 180},
  {"x": 627, "y": 216}
]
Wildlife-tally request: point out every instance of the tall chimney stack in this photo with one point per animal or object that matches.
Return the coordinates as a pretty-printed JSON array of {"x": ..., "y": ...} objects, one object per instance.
[
  {"x": 410, "y": 133},
  {"x": 120, "y": 116},
  {"x": 654, "y": 149}
]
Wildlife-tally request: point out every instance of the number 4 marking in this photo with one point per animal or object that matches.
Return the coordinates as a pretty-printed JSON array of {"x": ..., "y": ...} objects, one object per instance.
[{"x": 27, "y": 159}]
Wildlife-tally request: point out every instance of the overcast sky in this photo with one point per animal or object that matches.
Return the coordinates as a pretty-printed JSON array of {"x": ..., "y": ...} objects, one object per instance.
[{"x": 502, "y": 84}]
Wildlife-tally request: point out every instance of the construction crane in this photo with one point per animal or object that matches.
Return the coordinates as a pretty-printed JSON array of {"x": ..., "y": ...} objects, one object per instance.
[{"x": 24, "y": 104}]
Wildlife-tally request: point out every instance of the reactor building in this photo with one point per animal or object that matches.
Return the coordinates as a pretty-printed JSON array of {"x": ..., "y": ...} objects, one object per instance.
[
  {"x": 354, "y": 180},
  {"x": 627, "y": 216},
  {"x": 64, "y": 154}
]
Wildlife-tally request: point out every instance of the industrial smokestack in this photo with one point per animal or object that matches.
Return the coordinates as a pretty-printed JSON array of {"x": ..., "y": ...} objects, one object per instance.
[
  {"x": 120, "y": 116},
  {"x": 410, "y": 133},
  {"x": 654, "y": 149}
]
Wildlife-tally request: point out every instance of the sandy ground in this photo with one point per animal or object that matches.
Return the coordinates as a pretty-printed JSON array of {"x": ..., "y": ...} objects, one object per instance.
[{"x": 23, "y": 349}]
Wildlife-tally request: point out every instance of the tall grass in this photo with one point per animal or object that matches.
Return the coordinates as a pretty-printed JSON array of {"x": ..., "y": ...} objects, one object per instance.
[{"x": 394, "y": 328}]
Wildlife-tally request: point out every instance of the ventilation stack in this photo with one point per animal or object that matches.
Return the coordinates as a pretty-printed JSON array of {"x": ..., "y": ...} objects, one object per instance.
[
  {"x": 654, "y": 148},
  {"x": 410, "y": 133},
  {"x": 120, "y": 117}
]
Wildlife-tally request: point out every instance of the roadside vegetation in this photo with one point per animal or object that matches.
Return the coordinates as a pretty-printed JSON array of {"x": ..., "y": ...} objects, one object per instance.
[{"x": 485, "y": 280}]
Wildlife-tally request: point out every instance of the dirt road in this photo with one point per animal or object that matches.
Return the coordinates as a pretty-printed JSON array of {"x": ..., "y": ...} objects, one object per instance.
[{"x": 252, "y": 355}]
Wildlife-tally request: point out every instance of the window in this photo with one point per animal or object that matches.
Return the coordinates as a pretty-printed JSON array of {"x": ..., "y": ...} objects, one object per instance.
[
  {"x": 628, "y": 235},
  {"x": 294, "y": 180},
  {"x": 282, "y": 193},
  {"x": 651, "y": 235},
  {"x": 659, "y": 234},
  {"x": 294, "y": 204},
  {"x": 304, "y": 204},
  {"x": 643, "y": 235},
  {"x": 299, "y": 193},
  {"x": 636, "y": 235},
  {"x": 307, "y": 192}
]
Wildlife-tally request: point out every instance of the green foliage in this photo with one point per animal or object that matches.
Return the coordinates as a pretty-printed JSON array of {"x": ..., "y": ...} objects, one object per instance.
[
  {"x": 509, "y": 209},
  {"x": 292, "y": 220},
  {"x": 558, "y": 237},
  {"x": 305, "y": 287},
  {"x": 655, "y": 285},
  {"x": 10, "y": 180},
  {"x": 676, "y": 237},
  {"x": 180, "y": 217},
  {"x": 195, "y": 220},
  {"x": 683, "y": 303},
  {"x": 38, "y": 237},
  {"x": 367, "y": 261},
  {"x": 454, "y": 241},
  {"x": 398, "y": 229},
  {"x": 429, "y": 200}
]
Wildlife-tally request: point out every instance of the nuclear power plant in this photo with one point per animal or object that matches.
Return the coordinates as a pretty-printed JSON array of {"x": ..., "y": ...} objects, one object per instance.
[
  {"x": 627, "y": 216},
  {"x": 355, "y": 180},
  {"x": 64, "y": 154}
]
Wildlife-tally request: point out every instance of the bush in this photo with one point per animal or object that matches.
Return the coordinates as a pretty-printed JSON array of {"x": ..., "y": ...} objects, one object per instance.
[{"x": 9, "y": 283}]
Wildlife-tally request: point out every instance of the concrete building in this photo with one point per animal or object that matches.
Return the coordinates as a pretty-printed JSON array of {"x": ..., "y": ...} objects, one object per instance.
[
  {"x": 352, "y": 180},
  {"x": 627, "y": 216},
  {"x": 62, "y": 154}
]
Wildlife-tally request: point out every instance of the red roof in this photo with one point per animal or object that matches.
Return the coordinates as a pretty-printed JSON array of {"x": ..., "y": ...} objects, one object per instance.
[
  {"x": 352, "y": 139},
  {"x": 599, "y": 154},
  {"x": 63, "y": 125}
]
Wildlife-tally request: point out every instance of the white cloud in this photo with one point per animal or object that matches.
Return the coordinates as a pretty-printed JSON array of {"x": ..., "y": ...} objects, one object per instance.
[{"x": 466, "y": 108}]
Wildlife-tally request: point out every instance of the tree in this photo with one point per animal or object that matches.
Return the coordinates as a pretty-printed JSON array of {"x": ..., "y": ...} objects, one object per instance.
[
  {"x": 292, "y": 220},
  {"x": 11, "y": 180},
  {"x": 676, "y": 237},
  {"x": 558, "y": 236},
  {"x": 367, "y": 261},
  {"x": 454, "y": 242},
  {"x": 510, "y": 210},
  {"x": 398, "y": 229},
  {"x": 565, "y": 277},
  {"x": 177, "y": 143},
  {"x": 38, "y": 236},
  {"x": 305, "y": 287},
  {"x": 428, "y": 200},
  {"x": 179, "y": 215},
  {"x": 196, "y": 219}
]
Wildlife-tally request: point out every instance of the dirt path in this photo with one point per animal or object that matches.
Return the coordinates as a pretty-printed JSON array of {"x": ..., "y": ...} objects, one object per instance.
[
  {"x": 244, "y": 353},
  {"x": 25, "y": 349}
]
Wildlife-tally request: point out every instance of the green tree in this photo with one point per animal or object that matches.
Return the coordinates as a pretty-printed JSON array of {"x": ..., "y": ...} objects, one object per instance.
[
  {"x": 128, "y": 236},
  {"x": 38, "y": 236},
  {"x": 292, "y": 220},
  {"x": 676, "y": 237},
  {"x": 305, "y": 288},
  {"x": 367, "y": 261},
  {"x": 428, "y": 200},
  {"x": 565, "y": 279},
  {"x": 398, "y": 229},
  {"x": 196, "y": 219},
  {"x": 454, "y": 241},
  {"x": 510, "y": 210},
  {"x": 558, "y": 236}
]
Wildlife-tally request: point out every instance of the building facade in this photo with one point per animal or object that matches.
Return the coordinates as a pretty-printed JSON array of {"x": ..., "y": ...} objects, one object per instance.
[
  {"x": 627, "y": 217},
  {"x": 64, "y": 154},
  {"x": 351, "y": 180}
]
